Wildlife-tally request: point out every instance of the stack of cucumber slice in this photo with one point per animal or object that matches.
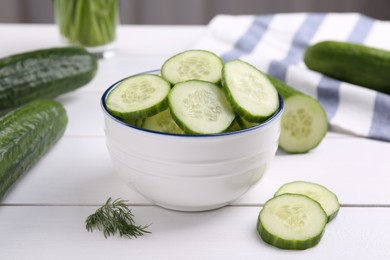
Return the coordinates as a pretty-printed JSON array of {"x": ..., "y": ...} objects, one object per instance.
[
  {"x": 295, "y": 218},
  {"x": 197, "y": 93}
]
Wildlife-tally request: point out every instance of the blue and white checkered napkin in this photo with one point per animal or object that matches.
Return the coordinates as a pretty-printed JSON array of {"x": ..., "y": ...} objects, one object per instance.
[{"x": 276, "y": 45}]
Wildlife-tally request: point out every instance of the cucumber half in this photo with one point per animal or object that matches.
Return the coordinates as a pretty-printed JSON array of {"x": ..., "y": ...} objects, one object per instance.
[
  {"x": 139, "y": 96},
  {"x": 200, "y": 107},
  {"x": 193, "y": 64},
  {"x": 327, "y": 199},
  {"x": 252, "y": 95},
  {"x": 292, "y": 221}
]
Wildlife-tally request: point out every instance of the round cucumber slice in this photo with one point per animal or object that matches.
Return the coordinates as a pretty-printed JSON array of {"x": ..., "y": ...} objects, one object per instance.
[
  {"x": 200, "y": 107},
  {"x": 327, "y": 199},
  {"x": 162, "y": 122},
  {"x": 291, "y": 221},
  {"x": 304, "y": 124},
  {"x": 139, "y": 96},
  {"x": 252, "y": 95},
  {"x": 193, "y": 64}
]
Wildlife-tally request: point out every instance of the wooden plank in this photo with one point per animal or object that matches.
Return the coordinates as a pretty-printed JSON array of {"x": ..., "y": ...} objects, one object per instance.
[
  {"x": 76, "y": 171},
  {"x": 356, "y": 169},
  {"x": 229, "y": 233}
]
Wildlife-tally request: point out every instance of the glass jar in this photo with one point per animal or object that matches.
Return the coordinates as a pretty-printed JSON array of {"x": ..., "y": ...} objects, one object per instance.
[{"x": 88, "y": 23}]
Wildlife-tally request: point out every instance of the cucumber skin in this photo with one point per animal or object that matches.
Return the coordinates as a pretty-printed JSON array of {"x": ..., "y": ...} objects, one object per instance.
[
  {"x": 26, "y": 134},
  {"x": 244, "y": 124},
  {"x": 350, "y": 62},
  {"x": 45, "y": 73},
  {"x": 286, "y": 92},
  {"x": 334, "y": 215}
]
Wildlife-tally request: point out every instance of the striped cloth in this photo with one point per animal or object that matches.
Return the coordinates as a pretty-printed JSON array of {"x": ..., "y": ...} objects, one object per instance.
[{"x": 276, "y": 45}]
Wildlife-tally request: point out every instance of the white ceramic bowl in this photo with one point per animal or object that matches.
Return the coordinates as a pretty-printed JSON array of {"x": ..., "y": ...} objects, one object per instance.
[{"x": 191, "y": 172}]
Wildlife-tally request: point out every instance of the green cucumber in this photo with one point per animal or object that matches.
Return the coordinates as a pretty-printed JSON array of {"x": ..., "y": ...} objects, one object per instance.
[
  {"x": 200, "y": 107},
  {"x": 139, "y": 96},
  {"x": 351, "y": 62},
  {"x": 291, "y": 221},
  {"x": 162, "y": 122},
  {"x": 249, "y": 91},
  {"x": 304, "y": 121},
  {"x": 327, "y": 199},
  {"x": 45, "y": 73},
  {"x": 193, "y": 64},
  {"x": 26, "y": 134}
]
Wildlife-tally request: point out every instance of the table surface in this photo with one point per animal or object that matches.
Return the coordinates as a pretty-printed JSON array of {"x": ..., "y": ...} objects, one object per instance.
[{"x": 43, "y": 216}]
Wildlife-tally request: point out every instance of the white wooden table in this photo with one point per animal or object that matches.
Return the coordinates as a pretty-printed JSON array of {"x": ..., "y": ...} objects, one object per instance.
[{"x": 43, "y": 216}]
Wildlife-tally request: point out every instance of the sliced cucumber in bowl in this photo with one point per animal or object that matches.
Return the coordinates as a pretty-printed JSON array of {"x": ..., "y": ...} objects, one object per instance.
[
  {"x": 248, "y": 90},
  {"x": 193, "y": 64},
  {"x": 139, "y": 96},
  {"x": 200, "y": 107},
  {"x": 162, "y": 122},
  {"x": 295, "y": 218}
]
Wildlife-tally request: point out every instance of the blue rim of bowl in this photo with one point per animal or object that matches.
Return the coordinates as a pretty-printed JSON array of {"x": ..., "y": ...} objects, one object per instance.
[{"x": 274, "y": 117}]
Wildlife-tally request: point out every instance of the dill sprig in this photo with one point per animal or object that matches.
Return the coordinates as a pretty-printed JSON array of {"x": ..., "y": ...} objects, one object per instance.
[{"x": 115, "y": 217}]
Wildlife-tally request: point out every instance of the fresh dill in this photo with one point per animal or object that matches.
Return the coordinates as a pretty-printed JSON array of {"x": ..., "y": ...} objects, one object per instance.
[{"x": 115, "y": 217}]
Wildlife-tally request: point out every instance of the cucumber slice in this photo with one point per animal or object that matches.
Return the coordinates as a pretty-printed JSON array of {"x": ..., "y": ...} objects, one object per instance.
[
  {"x": 249, "y": 91},
  {"x": 304, "y": 124},
  {"x": 234, "y": 127},
  {"x": 162, "y": 122},
  {"x": 193, "y": 64},
  {"x": 327, "y": 199},
  {"x": 139, "y": 96},
  {"x": 304, "y": 121},
  {"x": 200, "y": 107},
  {"x": 244, "y": 124},
  {"x": 291, "y": 221},
  {"x": 137, "y": 122}
]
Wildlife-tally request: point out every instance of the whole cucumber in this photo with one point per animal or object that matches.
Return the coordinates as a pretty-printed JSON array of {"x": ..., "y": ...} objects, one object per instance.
[
  {"x": 350, "y": 62},
  {"x": 26, "y": 134},
  {"x": 45, "y": 73}
]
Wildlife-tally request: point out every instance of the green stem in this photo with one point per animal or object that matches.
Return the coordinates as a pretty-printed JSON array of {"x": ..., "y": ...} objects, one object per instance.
[{"x": 87, "y": 22}]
